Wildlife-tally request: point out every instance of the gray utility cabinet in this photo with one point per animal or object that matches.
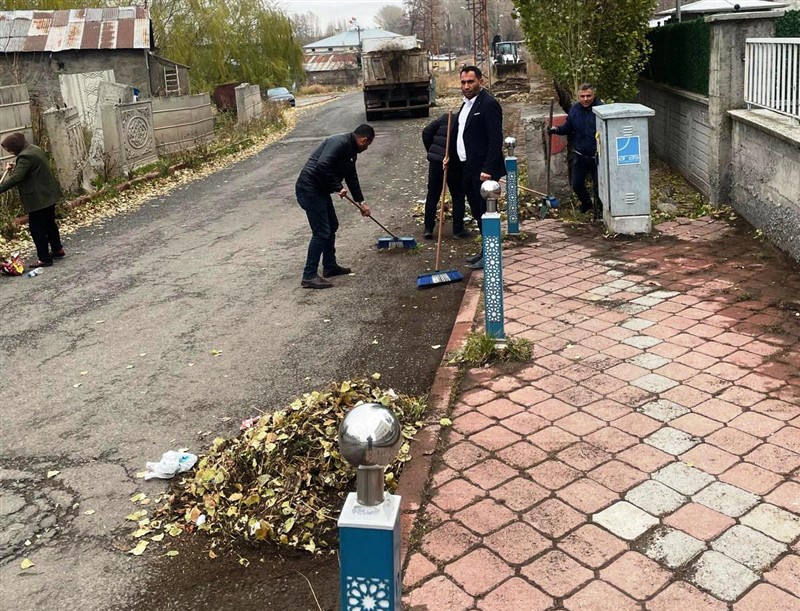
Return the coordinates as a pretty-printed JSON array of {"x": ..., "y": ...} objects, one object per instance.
[{"x": 624, "y": 166}]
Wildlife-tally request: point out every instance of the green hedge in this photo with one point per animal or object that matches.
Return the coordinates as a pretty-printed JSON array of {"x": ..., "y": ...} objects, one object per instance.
[
  {"x": 680, "y": 55},
  {"x": 788, "y": 26}
]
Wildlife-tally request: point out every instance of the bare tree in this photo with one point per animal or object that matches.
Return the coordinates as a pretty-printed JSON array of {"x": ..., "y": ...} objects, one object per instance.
[{"x": 393, "y": 19}]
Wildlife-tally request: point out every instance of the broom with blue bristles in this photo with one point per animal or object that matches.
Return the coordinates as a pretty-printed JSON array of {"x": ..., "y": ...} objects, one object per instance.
[
  {"x": 384, "y": 242},
  {"x": 437, "y": 278}
]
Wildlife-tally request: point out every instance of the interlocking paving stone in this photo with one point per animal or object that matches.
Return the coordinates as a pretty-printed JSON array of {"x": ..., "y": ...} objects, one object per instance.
[
  {"x": 663, "y": 410},
  {"x": 479, "y": 571},
  {"x": 637, "y": 324},
  {"x": 439, "y": 593},
  {"x": 654, "y": 383},
  {"x": 786, "y": 574},
  {"x": 727, "y": 499},
  {"x": 664, "y": 294},
  {"x": 647, "y": 301},
  {"x": 672, "y": 441},
  {"x": 773, "y": 521},
  {"x": 556, "y": 573},
  {"x": 749, "y": 547},
  {"x": 636, "y": 575},
  {"x": 681, "y": 595},
  {"x": 592, "y": 546},
  {"x": 683, "y": 478},
  {"x": 765, "y": 596},
  {"x": 649, "y": 361},
  {"x": 699, "y": 521},
  {"x": 655, "y": 498},
  {"x": 673, "y": 548},
  {"x": 723, "y": 577},
  {"x": 600, "y": 596},
  {"x": 642, "y": 341},
  {"x": 625, "y": 520},
  {"x": 516, "y": 593}
]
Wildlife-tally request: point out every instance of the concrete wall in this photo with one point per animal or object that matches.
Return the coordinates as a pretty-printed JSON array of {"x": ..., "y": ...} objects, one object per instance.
[
  {"x": 765, "y": 176},
  {"x": 248, "y": 103},
  {"x": 68, "y": 148},
  {"x": 15, "y": 116},
  {"x": 40, "y": 71},
  {"x": 534, "y": 150},
  {"x": 729, "y": 31},
  {"x": 679, "y": 131},
  {"x": 128, "y": 140},
  {"x": 182, "y": 122}
]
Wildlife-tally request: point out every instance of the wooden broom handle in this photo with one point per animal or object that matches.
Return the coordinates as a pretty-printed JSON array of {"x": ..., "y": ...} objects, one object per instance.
[{"x": 444, "y": 188}]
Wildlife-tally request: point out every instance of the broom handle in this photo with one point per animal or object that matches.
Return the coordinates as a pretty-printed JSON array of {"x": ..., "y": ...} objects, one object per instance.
[
  {"x": 444, "y": 189},
  {"x": 347, "y": 197},
  {"x": 549, "y": 141},
  {"x": 519, "y": 186}
]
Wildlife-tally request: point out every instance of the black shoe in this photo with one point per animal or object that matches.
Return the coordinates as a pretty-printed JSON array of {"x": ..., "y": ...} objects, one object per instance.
[
  {"x": 477, "y": 265},
  {"x": 335, "y": 271},
  {"x": 464, "y": 233},
  {"x": 316, "y": 283},
  {"x": 40, "y": 263},
  {"x": 584, "y": 208},
  {"x": 474, "y": 258},
  {"x": 58, "y": 254},
  {"x": 428, "y": 235}
]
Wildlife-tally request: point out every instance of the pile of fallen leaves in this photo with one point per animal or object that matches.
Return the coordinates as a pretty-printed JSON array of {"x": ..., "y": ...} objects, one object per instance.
[{"x": 282, "y": 479}]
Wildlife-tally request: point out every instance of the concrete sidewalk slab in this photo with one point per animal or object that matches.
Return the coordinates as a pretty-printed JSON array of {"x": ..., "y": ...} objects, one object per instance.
[{"x": 648, "y": 457}]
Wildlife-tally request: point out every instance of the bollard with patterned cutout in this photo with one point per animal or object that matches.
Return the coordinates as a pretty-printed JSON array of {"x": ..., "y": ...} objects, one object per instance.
[{"x": 492, "y": 263}]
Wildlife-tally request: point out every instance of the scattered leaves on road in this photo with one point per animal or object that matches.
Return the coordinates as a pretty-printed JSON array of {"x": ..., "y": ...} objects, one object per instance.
[{"x": 26, "y": 564}]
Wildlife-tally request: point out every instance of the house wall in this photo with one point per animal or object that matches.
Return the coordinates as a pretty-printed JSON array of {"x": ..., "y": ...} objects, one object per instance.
[
  {"x": 40, "y": 71},
  {"x": 679, "y": 131},
  {"x": 157, "y": 84},
  {"x": 765, "y": 175},
  {"x": 15, "y": 116},
  {"x": 346, "y": 77}
]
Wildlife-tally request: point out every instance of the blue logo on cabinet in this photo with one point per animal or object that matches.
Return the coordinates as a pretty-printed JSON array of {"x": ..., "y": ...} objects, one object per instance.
[{"x": 628, "y": 151}]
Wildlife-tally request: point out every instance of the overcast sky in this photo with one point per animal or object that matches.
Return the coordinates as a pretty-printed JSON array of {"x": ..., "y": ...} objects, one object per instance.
[{"x": 329, "y": 10}]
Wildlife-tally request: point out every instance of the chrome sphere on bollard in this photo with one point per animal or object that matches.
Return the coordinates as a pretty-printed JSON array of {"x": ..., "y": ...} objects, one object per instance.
[
  {"x": 370, "y": 437},
  {"x": 510, "y": 144},
  {"x": 490, "y": 191}
]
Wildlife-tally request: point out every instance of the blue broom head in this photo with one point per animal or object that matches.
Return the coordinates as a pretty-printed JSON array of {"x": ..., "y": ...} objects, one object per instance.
[
  {"x": 426, "y": 281},
  {"x": 388, "y": 242},
  {"x": 552, "y": 202}
]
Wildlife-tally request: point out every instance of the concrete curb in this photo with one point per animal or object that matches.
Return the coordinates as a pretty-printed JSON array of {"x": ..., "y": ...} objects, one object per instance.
[{"x": 417, "y": 471}]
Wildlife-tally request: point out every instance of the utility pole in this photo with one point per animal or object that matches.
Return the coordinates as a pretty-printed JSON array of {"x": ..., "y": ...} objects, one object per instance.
[
  {"x": 480, "y": 37},
  {"x": 678, "y": 10},
  {"x": 432, "y": 27}
]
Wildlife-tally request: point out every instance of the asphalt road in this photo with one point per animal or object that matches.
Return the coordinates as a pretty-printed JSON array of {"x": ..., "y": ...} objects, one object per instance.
[{"x": 165, "y": 327}]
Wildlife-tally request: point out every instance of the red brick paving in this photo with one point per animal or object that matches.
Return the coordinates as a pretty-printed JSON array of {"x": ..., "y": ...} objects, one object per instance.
[{"x": 535, "y": 451}]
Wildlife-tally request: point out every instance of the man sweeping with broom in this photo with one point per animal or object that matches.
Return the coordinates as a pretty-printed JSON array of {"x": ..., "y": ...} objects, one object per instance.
[{"x": 333, "y": 161}]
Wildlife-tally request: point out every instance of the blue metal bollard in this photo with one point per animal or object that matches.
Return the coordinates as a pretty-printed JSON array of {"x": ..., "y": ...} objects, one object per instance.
[
  {"x": 369, "y": 525},
  {"x": 512, "y": 192},
  {"x": 492, "y": 263}
]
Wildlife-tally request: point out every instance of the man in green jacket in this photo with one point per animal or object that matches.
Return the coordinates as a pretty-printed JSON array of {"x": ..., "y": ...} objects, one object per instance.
[{"x": 38, "y": 192}]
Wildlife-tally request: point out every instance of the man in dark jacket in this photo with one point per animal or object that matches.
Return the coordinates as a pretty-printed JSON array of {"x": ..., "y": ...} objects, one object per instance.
[
  {"x": 333, "y": 161},
  {"x": 479, "y": 144},
  {"x": 38, "y": 191},
  {"x": 580, "y": 124},
  {"x": 434, "y": 138}
]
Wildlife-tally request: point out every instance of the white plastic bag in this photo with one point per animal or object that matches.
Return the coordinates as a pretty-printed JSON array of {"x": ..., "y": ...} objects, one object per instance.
[{"x": 171, "y": 463}]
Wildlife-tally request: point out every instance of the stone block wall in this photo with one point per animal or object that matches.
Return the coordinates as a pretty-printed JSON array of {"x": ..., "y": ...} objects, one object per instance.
[{"x": 248, "y": 103}]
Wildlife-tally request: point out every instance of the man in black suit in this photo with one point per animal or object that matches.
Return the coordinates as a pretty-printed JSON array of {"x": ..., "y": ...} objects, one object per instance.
[{"x": 479, "y": 144}]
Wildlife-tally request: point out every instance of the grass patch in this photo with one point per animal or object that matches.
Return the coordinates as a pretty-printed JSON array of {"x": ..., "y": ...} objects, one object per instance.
[{"x": 481, "y": 349}]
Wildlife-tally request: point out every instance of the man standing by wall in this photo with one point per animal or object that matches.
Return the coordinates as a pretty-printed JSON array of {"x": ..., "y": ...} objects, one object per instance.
[
  {"x": 434, "y": 138},
  {"x": 333, "y": 161},
  {"x": 479, "y": 144},
  {"x": 580, "y": 124}
]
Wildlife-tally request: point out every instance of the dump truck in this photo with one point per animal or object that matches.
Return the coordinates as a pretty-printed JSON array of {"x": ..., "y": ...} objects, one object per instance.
[
  {"x": 509, "y": 69},
  {"x": 396, "y": 77}
]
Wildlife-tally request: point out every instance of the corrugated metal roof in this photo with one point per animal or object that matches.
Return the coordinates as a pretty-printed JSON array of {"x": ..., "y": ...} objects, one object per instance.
[
  {"x": 108, "y": 28},
  {"x": 725, "y": 6},
  {"x": 350, "y": 38},
  {"x": 330, "y": 61}
]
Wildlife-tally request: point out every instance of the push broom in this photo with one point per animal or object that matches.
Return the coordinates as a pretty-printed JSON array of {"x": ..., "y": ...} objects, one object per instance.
[
  {"x": 392, "y": 242},
  {"x": 426, "y": 281}
]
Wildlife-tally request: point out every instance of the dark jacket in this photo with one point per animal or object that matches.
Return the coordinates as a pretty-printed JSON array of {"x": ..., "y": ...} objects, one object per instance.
[
  {"x": 434, "y": 138},
  {"x": 38, "y": 188},
  {"x": 483, "y": 138},
  {"x": 581, "y": 125},
  {"x": 333, "y": 161}
]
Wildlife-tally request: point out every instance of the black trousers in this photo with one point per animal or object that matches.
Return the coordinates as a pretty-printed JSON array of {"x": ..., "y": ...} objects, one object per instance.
[
  {"x": 44, "y": 231},
  {"x": 455, "y": 182},
  {"x": 582, "y": 167},
  {"x": 477, "y": 204},
  {"x": 324, "y": 223}
]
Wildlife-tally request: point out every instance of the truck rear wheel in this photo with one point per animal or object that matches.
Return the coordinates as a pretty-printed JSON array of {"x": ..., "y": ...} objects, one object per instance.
[
  {"x": 373, "y": 115},
  {"x": 421, "y": 112}
]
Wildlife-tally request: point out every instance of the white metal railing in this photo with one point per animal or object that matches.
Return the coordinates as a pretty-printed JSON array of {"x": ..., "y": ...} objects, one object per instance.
[{"x": 772, "y": 74}]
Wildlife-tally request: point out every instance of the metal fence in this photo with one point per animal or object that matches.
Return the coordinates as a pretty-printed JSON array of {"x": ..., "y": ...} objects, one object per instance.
[{"x": 772, "y": 75}]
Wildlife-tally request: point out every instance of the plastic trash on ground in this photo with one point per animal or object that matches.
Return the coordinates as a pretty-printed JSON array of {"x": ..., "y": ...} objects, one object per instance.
[{"x": 171, "y": 463}]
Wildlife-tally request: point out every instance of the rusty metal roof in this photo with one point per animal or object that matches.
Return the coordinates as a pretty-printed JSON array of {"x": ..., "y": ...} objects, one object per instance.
[
  {"x": 325, "y": 62},
  {"x": 126, "y": 27}
]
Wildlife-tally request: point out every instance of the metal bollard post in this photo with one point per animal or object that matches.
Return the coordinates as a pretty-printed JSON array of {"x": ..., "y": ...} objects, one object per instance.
[
  {"x": 369, "y": 526},
  {"x": 512, "y": 192},
  {"x": 492, "y": 263}
]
